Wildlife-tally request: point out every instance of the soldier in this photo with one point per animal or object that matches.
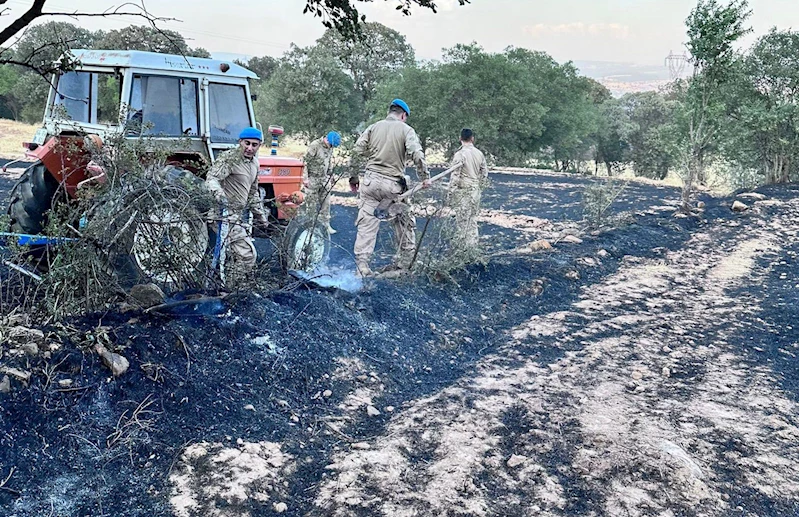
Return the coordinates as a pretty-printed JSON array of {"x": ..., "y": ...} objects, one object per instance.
[
  {"x": 386, "y": 145},
  {"x": 318, "y": 176},
  {"x": 465, "y": 188},
  {"x": 233, "y": 179}
]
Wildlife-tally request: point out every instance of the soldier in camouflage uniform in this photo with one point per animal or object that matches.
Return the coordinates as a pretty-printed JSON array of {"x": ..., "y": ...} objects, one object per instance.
[
  {"x": 464, "y": 192},
  {"x": 233, "y": 179},
  {"x": 318, "y": 177},
  {"x": 386, "y": 145}
]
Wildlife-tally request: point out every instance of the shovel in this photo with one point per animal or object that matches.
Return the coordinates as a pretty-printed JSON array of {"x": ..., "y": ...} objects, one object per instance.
[{"x": 389, "y": 208}]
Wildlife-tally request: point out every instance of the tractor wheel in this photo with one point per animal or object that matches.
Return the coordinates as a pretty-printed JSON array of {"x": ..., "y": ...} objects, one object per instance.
[
  {"x": 306, "y": 244},
  {"x": 165, "y": 241},
  {"x": 31, "y": 199}
]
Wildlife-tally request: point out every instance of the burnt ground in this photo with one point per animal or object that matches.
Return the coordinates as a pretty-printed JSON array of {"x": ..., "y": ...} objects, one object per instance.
[{"x": 648, "y": 370}]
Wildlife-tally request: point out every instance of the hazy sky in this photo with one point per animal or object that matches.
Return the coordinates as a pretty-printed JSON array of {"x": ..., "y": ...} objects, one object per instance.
[{"x": 635, "y": 31}]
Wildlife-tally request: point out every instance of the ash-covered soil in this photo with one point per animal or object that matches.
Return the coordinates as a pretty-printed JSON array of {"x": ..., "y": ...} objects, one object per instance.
[{"x": 647, "y": 370}]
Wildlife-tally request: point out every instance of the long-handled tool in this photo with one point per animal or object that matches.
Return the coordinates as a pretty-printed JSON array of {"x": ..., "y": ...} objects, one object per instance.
[{"x": 389, "y": 208}]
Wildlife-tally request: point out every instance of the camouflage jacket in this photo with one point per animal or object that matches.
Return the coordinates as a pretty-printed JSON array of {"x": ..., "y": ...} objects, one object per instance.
[
  {"x": 233, "y": 180},
  {"x": 388, "y": 144},
  {"x": 473, "y": 171}
]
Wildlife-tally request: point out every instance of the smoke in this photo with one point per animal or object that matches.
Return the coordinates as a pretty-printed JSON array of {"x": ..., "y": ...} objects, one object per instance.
[{"x": 332, "y": 277}]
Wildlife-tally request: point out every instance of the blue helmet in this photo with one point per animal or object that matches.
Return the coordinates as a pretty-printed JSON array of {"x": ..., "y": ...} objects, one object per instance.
[
  {"x": 251, "y": 133},
  {"x": 401, "y": 103},
  {"x": 334, "y": 139}
]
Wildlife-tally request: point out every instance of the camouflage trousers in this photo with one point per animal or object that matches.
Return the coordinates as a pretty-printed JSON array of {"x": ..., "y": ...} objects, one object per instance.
[
  {"x": 238, "y": 255},
  {"x": 374, "y": 189},
  {"x": 465, "y": 203},
  {"x": 317, "y": 203}
]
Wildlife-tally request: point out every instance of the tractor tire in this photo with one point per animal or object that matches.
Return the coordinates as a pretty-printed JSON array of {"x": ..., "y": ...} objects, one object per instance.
[
  {"x": 306, "y": 245},
  {"x": 31, "y": 198},
  {"x": 166, "y": 242}
]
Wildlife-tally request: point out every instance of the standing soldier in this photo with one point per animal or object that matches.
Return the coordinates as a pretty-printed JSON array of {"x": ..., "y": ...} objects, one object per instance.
[
  {"x": 233, "y": 179},
  {"x": 318, "y": 176},
  {"x": 387, "y": 145},
  {"x": 465, "y": 188}
]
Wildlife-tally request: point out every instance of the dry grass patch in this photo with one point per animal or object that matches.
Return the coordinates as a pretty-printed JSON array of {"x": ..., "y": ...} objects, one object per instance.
[{"x": 12, "y": 134}]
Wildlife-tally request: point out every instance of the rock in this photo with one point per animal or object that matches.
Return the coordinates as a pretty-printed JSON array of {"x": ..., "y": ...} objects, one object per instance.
[
  {"x": 20, "y": 375},
  {"x": 327, "y": 394},
  {"x": 603, "y": 253},
  {"x": 572, "y": 275},
  {"x": 572, "y": 239},
  {"x": 249, "y": 407},
  {"x": 24, "y": 335},
  {"x": 362, "y": 446},
  {"x": 389, "y": 409},
  {"x": 666, "y": 372},
  {"x": 147, "y": 295},
  {"x": 637, "y": 375},
  {"x": 5, "y": 384},
  {"x": 31, "y": 349},
  {"x": 114, "y": 362},
  {"x": 667, "y": 348},
  {"x": 515, "y": 460},
  {"x": 537, "y": 222},
  {"x": 372, "y": 411},
  {"x": 540, "y": 245},
  {"x": 700, "y": 205},
  {"x": 65, "y": 383},
  {"x": 737, "y": 206},
  {"x": 754, "y": 196},
  {"x": 280, "y": 507}
]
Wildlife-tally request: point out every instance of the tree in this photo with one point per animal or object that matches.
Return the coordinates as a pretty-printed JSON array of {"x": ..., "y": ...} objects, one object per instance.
[
  {"x": 9, "y": 105},
  {"x": 650, "y": 140},
  {"x": 263, "y": 67},
  {"x": 764, "y": 108},
  {"x": 712, "y": 31},
  {"x": 614, "y": 128},
  {"x": 378, "y": 54},
  {"x": 309, "y": 95},
  {"x": 150, "y": 39}
]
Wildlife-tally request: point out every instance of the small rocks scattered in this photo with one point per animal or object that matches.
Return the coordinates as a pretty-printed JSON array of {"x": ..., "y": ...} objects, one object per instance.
[
  {"x": 113, "y": 361},
  {"x": 603, "y": 253},
  {"x": 280, "y": 507},
  {"x": 23, "y": 335},
  {"x": 540, "y": 245},
  {"x": 20, "y": 375},
  {"x": 5, "y": 384},
  {"x": 249, "y": 407},
  {"x": 65, "y": 383},
  {"x": 637, "y": 375},
  {"x": 147, "y": 295},
  {"x": 573, "y": 275},
  {"x": 666, "y": 372},
  {"x": 361, "y": 446},
  {"x": 737, "y": 206},
  {"x": 327, "y": 394},
  {"x": 30, "y": 349},
  {"x": 572, "y": 239},
  {"x": 516, "y": 460},
  {"x": 754, "y": 196},
  {"x": 372, "y": 411}
]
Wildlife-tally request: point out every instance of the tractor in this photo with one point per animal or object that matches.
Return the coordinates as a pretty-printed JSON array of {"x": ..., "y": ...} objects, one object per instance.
[{"x": 196, "y": 106}]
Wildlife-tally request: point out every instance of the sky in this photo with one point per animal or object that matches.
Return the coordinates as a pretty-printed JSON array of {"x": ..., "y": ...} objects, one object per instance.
[{"x": 640, "y": 32}]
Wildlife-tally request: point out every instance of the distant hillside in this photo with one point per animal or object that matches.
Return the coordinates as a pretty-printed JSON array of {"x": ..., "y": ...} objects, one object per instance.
[{"x": 621, "y": 78}]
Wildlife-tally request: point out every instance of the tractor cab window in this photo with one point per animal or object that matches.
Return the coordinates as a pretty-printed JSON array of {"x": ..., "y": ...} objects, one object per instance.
[
  {"x": 229, "y": 112},
  {"x": 165, "y": 106},
  {"x": 89, "y": 97}
]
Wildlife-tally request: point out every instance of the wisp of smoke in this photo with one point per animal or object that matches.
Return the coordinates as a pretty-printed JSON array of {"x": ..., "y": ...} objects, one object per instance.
[{"x": 333, "y": 277}]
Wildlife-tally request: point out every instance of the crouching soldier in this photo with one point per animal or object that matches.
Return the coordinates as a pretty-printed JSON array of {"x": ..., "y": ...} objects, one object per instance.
[
  {"x": 233, "y": 180},
  {"x": 464, "y": 192},
  {"x": 318, "y": 177}
]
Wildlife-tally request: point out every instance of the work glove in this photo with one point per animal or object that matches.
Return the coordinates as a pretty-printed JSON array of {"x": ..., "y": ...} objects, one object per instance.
[{"x": 354, "y": 184}]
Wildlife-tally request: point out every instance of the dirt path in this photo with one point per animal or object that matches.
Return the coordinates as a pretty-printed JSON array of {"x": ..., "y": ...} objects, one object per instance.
[{"x": 654, "y": 409}]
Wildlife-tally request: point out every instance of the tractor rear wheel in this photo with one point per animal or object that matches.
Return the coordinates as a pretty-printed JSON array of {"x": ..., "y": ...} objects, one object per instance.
[
  {"x": 31, "y": 199},
  {"x": 306, "y": 244}
]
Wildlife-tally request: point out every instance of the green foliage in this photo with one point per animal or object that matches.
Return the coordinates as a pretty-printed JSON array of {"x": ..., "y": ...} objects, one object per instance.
[
  {"x": 263, "y": 67},
  {"x": 9, "y": 105},
  {"x": 309, "y": 95},
  {"x": 375, "y": 56},
  {"x": 650, "y": 148},
  {"x": 150, "y": 39}
]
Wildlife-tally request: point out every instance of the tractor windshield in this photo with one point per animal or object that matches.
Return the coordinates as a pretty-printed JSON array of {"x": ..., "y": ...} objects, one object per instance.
[
  {"x": 165, "y": 106},
  {"x": 89, "y": 97},
  {"x": 229, "y": 112}
]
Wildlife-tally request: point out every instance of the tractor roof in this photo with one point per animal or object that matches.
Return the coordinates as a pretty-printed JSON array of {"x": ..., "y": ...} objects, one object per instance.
[{"x": 156, "y": 61}]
